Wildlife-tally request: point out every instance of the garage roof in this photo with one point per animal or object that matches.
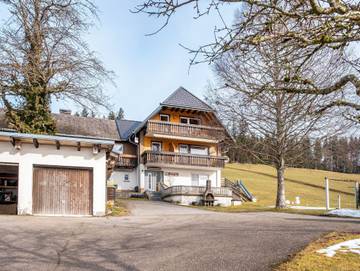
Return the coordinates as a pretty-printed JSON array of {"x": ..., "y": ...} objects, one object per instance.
[{"x": 84, "y": 127}]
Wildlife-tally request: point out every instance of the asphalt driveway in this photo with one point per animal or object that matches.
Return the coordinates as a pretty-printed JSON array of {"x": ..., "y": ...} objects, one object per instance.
[{"x": 160, "y": 236}]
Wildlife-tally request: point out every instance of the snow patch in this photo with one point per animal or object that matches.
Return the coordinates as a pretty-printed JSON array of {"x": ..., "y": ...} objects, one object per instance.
[
  {"x": 345, "y": 212},
  {"x": 345, "y": 247}
]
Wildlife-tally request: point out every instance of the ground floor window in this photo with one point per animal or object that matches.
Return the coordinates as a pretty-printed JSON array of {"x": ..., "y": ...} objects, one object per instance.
[{"x": 199, "y": 179}]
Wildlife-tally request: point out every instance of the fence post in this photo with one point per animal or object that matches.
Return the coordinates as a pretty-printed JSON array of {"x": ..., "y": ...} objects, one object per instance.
[
  {"x": 339, "y": 201},
  {"x": 327, "y": 196},
  {"x": 357, "y": 195}
]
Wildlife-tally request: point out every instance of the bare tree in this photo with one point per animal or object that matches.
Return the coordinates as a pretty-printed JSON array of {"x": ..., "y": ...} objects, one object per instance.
[
  {"x": 283, "y": 121},
  {"x": 307, "y": 27},
  {"x": 43, "y": 57}
]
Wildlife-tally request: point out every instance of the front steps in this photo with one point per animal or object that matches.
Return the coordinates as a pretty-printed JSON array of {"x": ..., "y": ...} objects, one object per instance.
[{"x": 152, "y": 195}]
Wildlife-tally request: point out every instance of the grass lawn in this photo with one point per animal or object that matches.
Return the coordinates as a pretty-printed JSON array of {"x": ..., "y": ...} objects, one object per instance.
[
  {"x": 308, "y": 184},
  {"x": 309, "y": 260},
  {"x": 119, "y": 208}
]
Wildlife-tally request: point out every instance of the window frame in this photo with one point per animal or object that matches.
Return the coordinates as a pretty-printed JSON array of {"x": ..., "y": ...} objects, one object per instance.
[
  {"x": 156, "y": 142},
  {"x": 199, "y": 147},
  {"x": 188, "y": 120},
  {"x": 165, "y": 115},
  {"x": 187, "y": 148}
]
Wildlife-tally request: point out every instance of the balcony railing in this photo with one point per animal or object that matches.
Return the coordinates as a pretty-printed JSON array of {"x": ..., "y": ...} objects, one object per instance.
[
  {"x": 182, "y": 159},
  {"x": 126, "y": 162},
  {"x": 185, "y": 130},
  {"x": 195, "y": 191}
]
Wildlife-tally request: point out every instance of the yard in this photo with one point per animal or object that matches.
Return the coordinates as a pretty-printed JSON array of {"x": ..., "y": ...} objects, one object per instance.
[
  {"x": 308, "y": 184},
  {"x": 310, "y": 259}
]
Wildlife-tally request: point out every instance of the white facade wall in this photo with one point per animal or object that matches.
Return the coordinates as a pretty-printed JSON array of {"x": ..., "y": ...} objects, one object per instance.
[
  {"x": 184, "y": 176},
  {"x": 118, "y": 178},
  {"x": 29, "y": 156},
  {"x": 189, "y": 200}
]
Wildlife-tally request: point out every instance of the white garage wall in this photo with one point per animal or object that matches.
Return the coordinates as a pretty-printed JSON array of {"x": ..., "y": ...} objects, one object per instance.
[
  {"x": 118, "y": 177},
  {"x": 49, "y": 155}
]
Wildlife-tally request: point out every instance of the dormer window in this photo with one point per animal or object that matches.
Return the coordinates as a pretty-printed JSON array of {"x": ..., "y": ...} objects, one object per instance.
[
  {"x": 164, "y": 117},
  {"x": 187, "y": 120}
]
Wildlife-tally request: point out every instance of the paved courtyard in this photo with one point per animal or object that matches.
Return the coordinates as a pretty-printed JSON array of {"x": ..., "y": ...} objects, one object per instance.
[{"x": 159, "y": 236}]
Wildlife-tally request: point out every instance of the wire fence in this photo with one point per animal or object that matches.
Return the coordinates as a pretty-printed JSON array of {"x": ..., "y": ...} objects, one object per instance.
[{"x": 342, "y": 193}]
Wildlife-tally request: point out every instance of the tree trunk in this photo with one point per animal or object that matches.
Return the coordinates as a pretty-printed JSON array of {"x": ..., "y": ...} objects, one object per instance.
[{"x": 280, "y": 196}]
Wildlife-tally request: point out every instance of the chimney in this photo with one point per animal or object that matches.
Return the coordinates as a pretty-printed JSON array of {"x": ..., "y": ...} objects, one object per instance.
[{"x": 65, "y": 111}]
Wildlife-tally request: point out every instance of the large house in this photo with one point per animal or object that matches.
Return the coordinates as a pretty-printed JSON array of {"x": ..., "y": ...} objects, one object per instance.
[
  {"x": 174, "y": 151},
  {"x": 174, "y": 154}
]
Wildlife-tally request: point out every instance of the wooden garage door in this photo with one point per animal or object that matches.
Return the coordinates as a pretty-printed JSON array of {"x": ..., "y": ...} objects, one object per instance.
[{"x": 62, "y": 191}]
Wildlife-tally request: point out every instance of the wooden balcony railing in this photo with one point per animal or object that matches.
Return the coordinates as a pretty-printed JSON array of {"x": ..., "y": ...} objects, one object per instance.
[
  {"x": 195, "y": 191},
  {"x": 126, "y": 162},
  {"x": 182, "y": 159},
  {"x": 185, "y": 130}
]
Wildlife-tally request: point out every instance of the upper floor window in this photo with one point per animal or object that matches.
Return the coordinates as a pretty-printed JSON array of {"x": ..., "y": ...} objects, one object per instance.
[
  {"x": 156, "y": 146},
  {"x": 199, "y": 150},
  {"x": 164, "y": 117},
  {"x": 192, "y": 121},
  {"x": 183, "y": 148}
]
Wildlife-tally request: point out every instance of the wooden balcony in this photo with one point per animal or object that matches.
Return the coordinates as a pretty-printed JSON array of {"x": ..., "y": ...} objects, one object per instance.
[
  {"x": 194, "y": 191},
  {"x": 185, "y": 130},
  {"x": 126, "y": 162},
  {"x": 172, "y": 158}
]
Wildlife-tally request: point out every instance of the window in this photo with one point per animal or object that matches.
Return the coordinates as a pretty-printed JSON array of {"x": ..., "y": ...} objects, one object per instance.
[
  {"x": 156, "y": 146},
  {"x": 194, "y": 179},
  {"x": 202, "y": 179},
  {"x": 198, "y": 150},
  {"x": 118, "y": 148},
  {"x": 192, "y": 121},
  {"x": 126, "y": 178},
  {"x": 164, "y": 117},
  {"x": 183, "y": 148},
  {"x": 184, "y": 120}
]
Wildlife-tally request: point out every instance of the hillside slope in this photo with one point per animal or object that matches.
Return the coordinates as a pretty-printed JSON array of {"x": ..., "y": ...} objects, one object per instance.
[{"x": 308, "y": 184}]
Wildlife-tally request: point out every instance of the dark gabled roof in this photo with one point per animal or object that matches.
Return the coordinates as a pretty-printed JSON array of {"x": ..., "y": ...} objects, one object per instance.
[
  {"x": 182, "y": 98},
  {"x": 71, "y": 125},
  {"x": 126, "y": 127}
]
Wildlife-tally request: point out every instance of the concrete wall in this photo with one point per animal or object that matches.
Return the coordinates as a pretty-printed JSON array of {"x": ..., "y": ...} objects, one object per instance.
[
  {"x": 29, "y": 156},
  {"x": 118, "y": 177},
  {"x": 188, "y": 200}
]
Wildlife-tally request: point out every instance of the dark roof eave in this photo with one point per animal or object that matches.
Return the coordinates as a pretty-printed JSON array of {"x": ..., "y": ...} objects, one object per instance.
[{"x": 187, "y": 107}]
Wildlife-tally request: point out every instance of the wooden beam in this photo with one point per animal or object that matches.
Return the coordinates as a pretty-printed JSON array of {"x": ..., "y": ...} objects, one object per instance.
[
  {"x": 36, "y": 143},
  {"x": 57, "y": 142},
  {"x": 78, "y": 146}
]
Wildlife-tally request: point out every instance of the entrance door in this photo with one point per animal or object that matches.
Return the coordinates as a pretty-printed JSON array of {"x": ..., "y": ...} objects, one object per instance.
[
  {"x": 152, "y": 180},
  {"x": 62, "y": 191}
]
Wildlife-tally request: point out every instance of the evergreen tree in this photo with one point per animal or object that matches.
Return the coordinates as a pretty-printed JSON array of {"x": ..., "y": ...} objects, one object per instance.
[
  {"x": 111, "y": 115},
  {"x": 120, "y": 114},
  {"x": 84, "y": 112}
]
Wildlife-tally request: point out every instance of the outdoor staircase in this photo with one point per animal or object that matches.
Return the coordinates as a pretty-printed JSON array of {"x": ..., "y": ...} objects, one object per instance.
[
  {"x": 152, "y": 195},
  {"x": 238, "y": 189}
]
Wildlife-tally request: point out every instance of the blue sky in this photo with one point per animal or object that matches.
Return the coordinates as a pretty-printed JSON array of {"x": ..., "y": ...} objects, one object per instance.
[{"x": 148, "y": 68}]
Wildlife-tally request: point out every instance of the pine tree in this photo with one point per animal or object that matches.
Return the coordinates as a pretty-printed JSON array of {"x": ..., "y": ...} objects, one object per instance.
[
  {"x": 120, "y": 114},
  {"x": 84, "y": 112},
  {"x": 111, "y": 115}
]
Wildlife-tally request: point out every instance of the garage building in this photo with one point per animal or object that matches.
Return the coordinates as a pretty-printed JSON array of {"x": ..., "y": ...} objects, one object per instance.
[{"x": 61, "y": 174}]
